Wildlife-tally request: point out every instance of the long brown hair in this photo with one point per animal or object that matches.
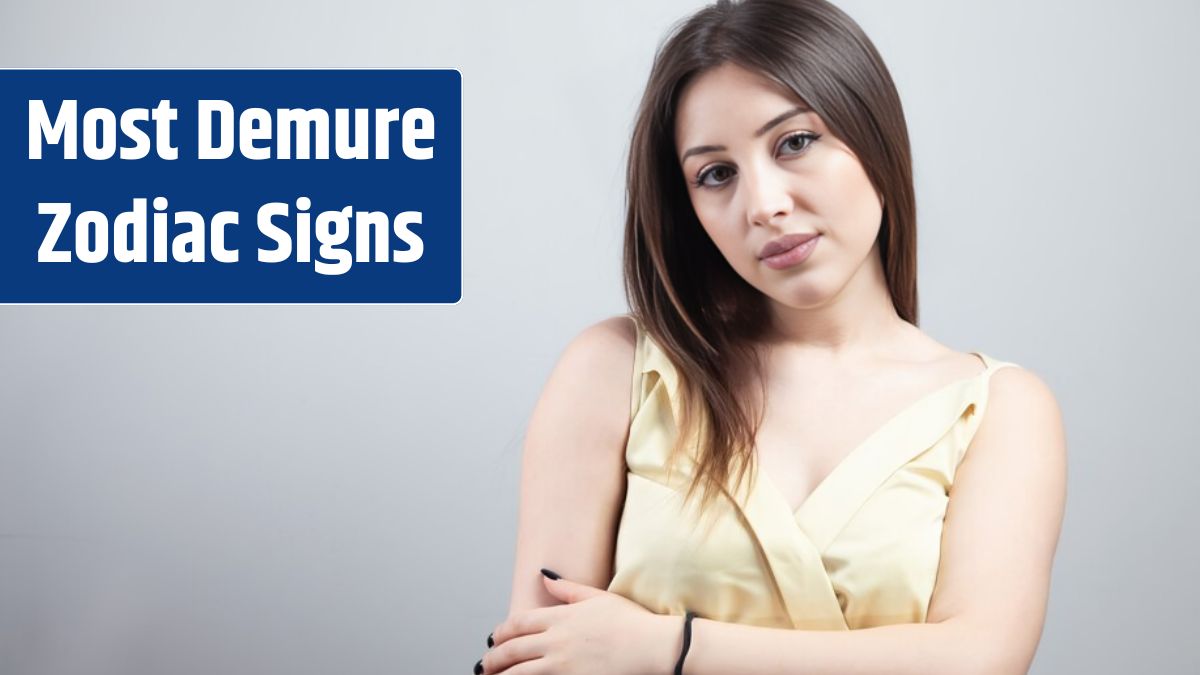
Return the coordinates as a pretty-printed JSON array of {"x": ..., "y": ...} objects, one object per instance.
[{"x": 704, "y": 316}]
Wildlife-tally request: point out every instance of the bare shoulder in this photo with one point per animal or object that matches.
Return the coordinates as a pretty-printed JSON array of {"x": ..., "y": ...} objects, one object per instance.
[
  {"x": 1020, "y": 401},
  {"x": 608, "y": 342},
  {"x": 590, "y": 384},
  {"x": 596, "y": 366},
  {"x": 1022, "y": 426}
]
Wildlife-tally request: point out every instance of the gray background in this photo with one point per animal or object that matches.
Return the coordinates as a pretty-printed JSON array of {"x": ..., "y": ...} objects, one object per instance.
[{"x": 333, "y": 489}]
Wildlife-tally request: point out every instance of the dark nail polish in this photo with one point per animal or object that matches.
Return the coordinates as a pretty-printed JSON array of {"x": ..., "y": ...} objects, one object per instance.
[
  {"x": 491, "y": 642},
  {"x": 550, "y": 574},
  {"x": 479, "y": 667}
]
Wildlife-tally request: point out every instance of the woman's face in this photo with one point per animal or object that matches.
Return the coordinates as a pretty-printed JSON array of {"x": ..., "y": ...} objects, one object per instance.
[{"x": 759, "y": 167}]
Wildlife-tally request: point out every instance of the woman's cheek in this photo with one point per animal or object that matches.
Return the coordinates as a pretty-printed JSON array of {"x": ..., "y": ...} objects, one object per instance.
[{"x": 735, "y": 252}]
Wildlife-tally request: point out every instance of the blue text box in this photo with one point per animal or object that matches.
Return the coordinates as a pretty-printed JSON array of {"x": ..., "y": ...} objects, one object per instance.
[{"x": 381, "y": 229}]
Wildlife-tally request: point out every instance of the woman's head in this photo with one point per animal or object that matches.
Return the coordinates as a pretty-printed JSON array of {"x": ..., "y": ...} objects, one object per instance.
[
  {"x": 763, "y": 170},
  {"x": 832, "y": 158},
  {"x": 691, "y": 250}
]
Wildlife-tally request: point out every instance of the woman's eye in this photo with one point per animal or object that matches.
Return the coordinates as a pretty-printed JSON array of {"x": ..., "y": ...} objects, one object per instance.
[
  {"x": 718, "y": 172},
  {"x": 792, "y": 145},
  {"x": 797, "y": 143}
]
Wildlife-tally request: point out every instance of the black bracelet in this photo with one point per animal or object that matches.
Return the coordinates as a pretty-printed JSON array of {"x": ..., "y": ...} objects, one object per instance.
[{"x": 687, "y": 641}]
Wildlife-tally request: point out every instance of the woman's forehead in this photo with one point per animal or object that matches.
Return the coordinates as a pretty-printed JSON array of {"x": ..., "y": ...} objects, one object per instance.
[{"x": 732, "y": 101}]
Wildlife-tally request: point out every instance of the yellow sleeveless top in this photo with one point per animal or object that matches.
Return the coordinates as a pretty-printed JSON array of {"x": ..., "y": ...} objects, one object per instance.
[{"x": 861, "y": 551}]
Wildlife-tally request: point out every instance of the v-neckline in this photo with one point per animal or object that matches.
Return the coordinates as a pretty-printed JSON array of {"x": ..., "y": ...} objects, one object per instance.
[{"x": 763, "y": 475}]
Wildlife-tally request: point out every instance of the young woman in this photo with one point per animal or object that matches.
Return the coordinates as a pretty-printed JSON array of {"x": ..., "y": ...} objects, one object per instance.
[{"x": 766, "y": 467}]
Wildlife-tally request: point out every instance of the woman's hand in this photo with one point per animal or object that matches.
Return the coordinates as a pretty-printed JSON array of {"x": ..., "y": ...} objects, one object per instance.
[{"x": 595, "y": 632}]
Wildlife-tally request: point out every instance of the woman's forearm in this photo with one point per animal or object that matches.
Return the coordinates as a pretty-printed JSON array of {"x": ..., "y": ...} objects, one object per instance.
[{"x": 946, "y": 648}]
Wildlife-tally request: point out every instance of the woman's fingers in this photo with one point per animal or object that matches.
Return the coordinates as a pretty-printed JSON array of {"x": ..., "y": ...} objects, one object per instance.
[
  {"x": 524, "y": 623},
  {"x": 534, "y": 667},
  {"x": 517, "y": 655}
]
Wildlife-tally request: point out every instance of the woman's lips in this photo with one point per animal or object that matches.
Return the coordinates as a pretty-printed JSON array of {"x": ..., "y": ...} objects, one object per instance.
[{"x": 794, "y": 255}]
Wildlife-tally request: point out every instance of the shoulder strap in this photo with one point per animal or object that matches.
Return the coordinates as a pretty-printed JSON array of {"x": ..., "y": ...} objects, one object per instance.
[
  {"x": 993, "y": 364},
  {"x": 980, "y": 405}
]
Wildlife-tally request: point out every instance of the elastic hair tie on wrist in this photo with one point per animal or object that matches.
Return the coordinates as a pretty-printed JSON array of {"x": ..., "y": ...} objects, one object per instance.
[{"x": 687, "y": 641}]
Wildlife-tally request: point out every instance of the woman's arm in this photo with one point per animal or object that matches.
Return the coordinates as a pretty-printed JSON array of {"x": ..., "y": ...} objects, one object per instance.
[
  {"x": 989, "y": 603},
  {"x": 573, "y": 467}
]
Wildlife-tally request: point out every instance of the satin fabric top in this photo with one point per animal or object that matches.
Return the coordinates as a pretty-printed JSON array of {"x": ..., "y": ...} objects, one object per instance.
[{"x": 861, "y": 551}]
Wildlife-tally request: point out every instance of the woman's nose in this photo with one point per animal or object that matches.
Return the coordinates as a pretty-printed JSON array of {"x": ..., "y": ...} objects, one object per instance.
[{"x": 767, "y": 197}]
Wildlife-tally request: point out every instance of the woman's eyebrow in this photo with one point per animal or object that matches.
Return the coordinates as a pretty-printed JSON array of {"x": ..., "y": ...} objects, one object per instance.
[
  {"x": 775, "y": 121},
  {"x": 778, "y": 119}
]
